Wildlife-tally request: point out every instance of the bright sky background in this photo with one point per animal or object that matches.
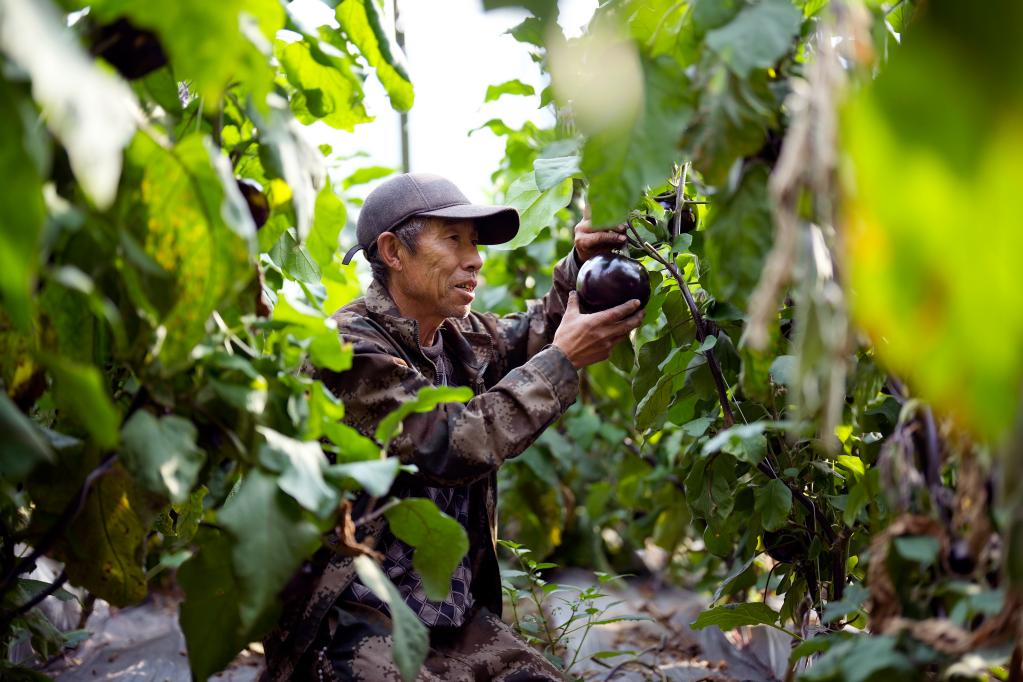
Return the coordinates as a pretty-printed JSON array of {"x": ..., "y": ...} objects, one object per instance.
[{"x": 455, "y": 50}]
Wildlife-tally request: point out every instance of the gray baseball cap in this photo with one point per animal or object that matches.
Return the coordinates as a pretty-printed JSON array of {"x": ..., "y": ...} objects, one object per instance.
[{"x": 409, "y": 194}]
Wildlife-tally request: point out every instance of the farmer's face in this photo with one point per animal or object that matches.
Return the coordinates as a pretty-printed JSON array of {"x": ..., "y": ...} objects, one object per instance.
[{"x": 439, "y": 279}]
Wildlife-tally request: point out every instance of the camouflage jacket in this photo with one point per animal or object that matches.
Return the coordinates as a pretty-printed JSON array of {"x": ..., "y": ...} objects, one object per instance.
[{"x": 522, "y": 384}]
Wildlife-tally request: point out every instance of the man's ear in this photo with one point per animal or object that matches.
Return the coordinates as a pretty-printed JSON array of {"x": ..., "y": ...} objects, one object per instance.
[{"x": 390, "y": 249}]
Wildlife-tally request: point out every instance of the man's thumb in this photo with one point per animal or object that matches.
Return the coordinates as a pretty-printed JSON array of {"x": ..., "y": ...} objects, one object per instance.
[{"x": 573, "y": 302}]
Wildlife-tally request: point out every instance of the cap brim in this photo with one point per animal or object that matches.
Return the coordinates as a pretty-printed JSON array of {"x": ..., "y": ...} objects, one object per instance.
[{"x": 494, "y": 224}]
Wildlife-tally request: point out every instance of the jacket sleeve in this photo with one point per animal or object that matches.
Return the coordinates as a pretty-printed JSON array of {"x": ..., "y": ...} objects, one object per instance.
[
  {"x": 520, "y": 336},
  {"x": 454, "y": 444}
]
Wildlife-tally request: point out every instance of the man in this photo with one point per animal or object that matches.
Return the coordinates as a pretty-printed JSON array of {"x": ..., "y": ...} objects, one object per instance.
[{"x": 414, "y": 329}]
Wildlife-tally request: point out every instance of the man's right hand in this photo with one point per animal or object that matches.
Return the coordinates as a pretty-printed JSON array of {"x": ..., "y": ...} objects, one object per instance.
[{"x": 587, "y": 339}]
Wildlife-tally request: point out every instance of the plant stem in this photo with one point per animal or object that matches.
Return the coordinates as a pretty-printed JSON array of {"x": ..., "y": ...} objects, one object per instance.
[
  {"x": 6, "y": 619},
  {"x": 701, "y": 327},
  {"x": 67, "y": 516}
]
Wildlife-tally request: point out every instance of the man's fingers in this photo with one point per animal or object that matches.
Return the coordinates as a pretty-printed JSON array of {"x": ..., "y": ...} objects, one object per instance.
[
  {"x": 573, "y": 302},
  {"x": 620, "y": 312}
]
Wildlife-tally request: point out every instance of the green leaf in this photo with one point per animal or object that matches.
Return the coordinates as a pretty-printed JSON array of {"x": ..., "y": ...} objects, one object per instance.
[
  {"x": 81, "y": 391},
  {"x": 536, "y": 208},
  {"x": 374, "y": 476},
  {"x": 440, "y": 542},
  {"x": 328, "y": 220},
  {"x": 295, "y": 260},
  {"x": 553, "y": 171},
  {"x": 758, "y": 37},
  {"x": 271, "y": 538},
  {"x": 731, "y": 616},
  {"x": 774, "y": 502},
  {"x": 91, "y": 111},
  {"x": 862, "y": 658},
  {"x": 161, "y": 454},
  {"x": 285, "y": 153},
  {"x": 103, "y": 548},
  {"x": 739, "y": 235},
  {"x": 733, "y": 575},
  {"x": 411, "y": 638},
  {"x": 210, "y": 45},
  {"x": 209, "y": 614},
  {"x": 512, "y": 87},
  {"x": 708, "y": 343},
  {"x": 744, "y": 441},
  {"x": 530, "y": 31},
  {"x": 21, "y": 213},
  {"x": 184, "y": 230},
  {"x": 731, "y": 120},
  {"x": 920, "y": 549},
  {"x": 301, "y": 466},
  {"x": 326, "y": 88},
  {"x": 24, "y": 445},
  {"x": 361, "y": 22},
  {"x": 622, "y": 160},
  {"x": 901, "y": 131},
  {"x": 367, "y": 174},
  {"x": 851, "y": 602},
  {"x": 426, "y": 399}
]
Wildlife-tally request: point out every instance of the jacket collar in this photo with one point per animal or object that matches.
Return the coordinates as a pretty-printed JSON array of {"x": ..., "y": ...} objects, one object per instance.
[{"x": 474, "y": 350}]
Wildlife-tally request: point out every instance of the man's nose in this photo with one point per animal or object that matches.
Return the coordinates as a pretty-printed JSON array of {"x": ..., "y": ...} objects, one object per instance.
[{"x": 473, "y": 259}]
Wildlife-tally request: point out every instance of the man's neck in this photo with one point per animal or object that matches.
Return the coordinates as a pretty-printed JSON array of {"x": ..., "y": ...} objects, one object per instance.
[{"x": 428, "y": 324}]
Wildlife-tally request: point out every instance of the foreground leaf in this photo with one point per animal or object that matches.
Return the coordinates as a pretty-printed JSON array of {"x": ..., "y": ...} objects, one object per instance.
[
  {"x": 361, "y": 22},
  {"x": 209, "y": 614},
  {"x": 621, "y": 161},
  {"x": 89, "y": 110},
  {"x": 536, "y": 207},
  {"x": 266, "y": 523},
  {"x": 731, "y": 616},
  {"x": 410, "y": 637},
  {"x": 440, "y": 542},
  {"x": 161, "y": 454},
  {"x": 426, "y": 399}
]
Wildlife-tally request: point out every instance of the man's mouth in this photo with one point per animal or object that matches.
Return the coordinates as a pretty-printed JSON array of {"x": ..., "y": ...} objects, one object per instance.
[{"x": 466, "y": 286}]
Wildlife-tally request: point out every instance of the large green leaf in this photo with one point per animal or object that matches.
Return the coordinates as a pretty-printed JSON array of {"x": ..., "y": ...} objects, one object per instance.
[
  {"x": 410, "y": 637},
  {"x": 21, "y": 212},
  {"x": 536, "y": 208},
  {"x": 426, "y": 399},
  {"x": 103, "y": 548},
  {"x": 745, "y": 442},
  {"x": 939, "y": 297},
  {"x": 774, "y": 502},
  {"x": 731, "y": 121},
  {"x": 209, "y": 614},
  {"x": 301, "y": 466},
  {"x": 375, "y": 476},
  {"x": 328, "y": 220},
  {"x": 326, "y": 88},
  {"x": 81, "y": 391},
  {"x": 161, "y": 454},
  {"x": 361, "y": 22},
  {"x": 731, "y": 616},
  {"x": 209, "y": 44},
  {"x": 440, "y": 542},
  {"x": 187, "y": 234},
  {"x": 758, "y": 37},
  {"x": 271, "y": 538},
  {"x": 286, "y": 154},
  {"x": 621, "y": 160},
  {"x": 739, "y": 236},
  {"x": 89, "y": 110}
]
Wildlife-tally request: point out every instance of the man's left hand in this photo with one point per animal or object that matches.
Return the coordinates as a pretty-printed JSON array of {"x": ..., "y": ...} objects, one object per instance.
[{"x": 589, "y": 241}]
